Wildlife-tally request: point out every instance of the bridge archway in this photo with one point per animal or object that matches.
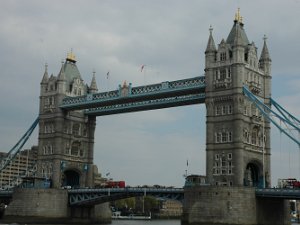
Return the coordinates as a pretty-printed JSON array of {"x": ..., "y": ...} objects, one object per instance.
[
  {"x": 71, "y": 178},
  {"x": 253, "y": 174}
]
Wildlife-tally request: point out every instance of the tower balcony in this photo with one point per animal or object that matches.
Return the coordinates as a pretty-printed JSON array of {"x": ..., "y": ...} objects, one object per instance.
[
  {"x": 222, "y": 84},
  {"x": 256, "y": 119},
  {"x": 255, "y": 87}
]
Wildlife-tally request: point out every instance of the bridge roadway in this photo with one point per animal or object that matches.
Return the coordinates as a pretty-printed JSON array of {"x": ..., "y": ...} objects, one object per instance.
[
  {"x": 132, "y": 99},
  {"x": 91, "y": 196},
  {"x": 96, "y": 196}
]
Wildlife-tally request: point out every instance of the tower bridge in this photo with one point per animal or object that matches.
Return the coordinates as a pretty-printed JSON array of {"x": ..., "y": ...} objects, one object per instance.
[{"x": 236, "y": 91}]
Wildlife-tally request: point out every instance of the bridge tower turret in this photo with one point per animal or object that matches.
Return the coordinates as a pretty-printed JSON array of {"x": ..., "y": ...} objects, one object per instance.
[
  {"x": 237, "y": 136},
  {"x": 66, "y": 139}
]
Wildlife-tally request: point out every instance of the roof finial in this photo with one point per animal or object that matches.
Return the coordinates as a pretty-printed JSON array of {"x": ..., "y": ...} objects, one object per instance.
[
  {"x": 71, "y": 57},
  {"x": 210, "y": 29},
  {"x": 46, "y": 67},
  {"x": 238, "y": 16},
  {"x": 265, "y": 38}
]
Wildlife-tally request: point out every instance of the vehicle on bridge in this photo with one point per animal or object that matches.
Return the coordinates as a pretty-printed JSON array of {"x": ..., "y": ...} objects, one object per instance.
[
  {"x": 113, "y": 184},
  {"x": 288, "y": 183}
]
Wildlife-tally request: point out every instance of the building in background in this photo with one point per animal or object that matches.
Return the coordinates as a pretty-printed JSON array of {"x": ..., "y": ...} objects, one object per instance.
[{"x": 23, "y": 165}]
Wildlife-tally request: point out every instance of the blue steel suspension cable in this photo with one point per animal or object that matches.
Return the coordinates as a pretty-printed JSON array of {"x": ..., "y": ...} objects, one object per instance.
[
  {"x": 17, "y": 147},
  {"x": 265, "y": 110}
]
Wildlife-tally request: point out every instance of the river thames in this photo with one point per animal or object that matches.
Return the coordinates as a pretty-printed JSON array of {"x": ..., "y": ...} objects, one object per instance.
[
  {"x": 151, "y": 222},
  {"x": 145, "y": 222}
]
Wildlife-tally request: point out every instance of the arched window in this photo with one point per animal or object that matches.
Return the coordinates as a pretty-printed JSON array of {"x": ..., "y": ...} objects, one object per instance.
[{"x": 75, "y": 148}]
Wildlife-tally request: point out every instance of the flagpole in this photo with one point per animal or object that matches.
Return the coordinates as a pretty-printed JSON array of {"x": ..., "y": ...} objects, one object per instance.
[{"x": 107, "y": 80}]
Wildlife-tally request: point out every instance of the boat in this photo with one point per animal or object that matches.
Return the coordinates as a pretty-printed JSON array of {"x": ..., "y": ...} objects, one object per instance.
[{"x": 117, "y": 216}]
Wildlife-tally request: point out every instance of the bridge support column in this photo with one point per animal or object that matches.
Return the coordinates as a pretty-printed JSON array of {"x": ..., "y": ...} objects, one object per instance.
[
  {"x": 232, "y": 205},
  {"x": 219, "y": 205},
  {"x": 273, "y": 211},
  {"x": 51, "y": 206}
]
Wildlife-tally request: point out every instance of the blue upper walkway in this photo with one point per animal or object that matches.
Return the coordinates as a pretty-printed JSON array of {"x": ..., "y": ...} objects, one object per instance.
[{"x": 132, "y": 99}]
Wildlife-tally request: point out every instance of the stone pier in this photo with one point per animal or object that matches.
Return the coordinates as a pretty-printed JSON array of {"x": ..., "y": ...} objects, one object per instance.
[
  {"x": 232, "y": 206},
  {"x": 51, "y": 206}
]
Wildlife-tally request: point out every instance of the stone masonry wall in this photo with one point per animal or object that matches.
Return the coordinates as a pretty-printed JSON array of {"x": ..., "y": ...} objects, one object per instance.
[
  {"x": 50, "y": 203},
  {"x": 219, "y": 205}
]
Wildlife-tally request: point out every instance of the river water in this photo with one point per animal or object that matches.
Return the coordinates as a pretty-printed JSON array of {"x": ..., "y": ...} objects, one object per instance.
[
  {"x": 145, "y": 222},
  {"x": 151, "y": 222}
]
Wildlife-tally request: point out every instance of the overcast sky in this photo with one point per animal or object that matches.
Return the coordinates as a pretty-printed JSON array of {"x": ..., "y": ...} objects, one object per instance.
[{"x": 118, "y": 36}]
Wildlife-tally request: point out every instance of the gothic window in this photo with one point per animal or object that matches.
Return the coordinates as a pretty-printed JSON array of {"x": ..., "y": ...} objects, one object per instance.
[
  {"x": 229, "y": 156},
  {"x": 229, "y": 111},
  {"x": 246, "y": 57},
  {"x": 216, "y": 156},
  {"x": 222, "y": 74},
  {"x": 51, "y": 100},
  {"x": 76, "y": 129},
  {"x": 218, "y": 137},
  {"x": 229, "y": 136},
  {"x": 223, "y": 163},
  {"x": 218, "y": 110},
  {"x": 222, "y": 56},
  {"x": 254, "y": 137},
  {"x": 245, "y": 110},
  {"x": 229, "y": 72},
  {"x": 67, "y": 149},
  {"x": 224, "y": 137},
  {"x": 75, "y": 148},
  {"x": 224, "y": 109}
]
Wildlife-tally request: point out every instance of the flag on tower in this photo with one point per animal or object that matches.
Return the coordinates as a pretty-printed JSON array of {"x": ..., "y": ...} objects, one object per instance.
[
  {"x": 142, "y": 67},
  {"x": 107, "y": 75}
]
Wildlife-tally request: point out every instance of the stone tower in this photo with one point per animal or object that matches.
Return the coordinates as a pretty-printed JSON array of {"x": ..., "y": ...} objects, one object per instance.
[
  {"x": 238, "y": 137},
  {"x": 66, "y": 139}
]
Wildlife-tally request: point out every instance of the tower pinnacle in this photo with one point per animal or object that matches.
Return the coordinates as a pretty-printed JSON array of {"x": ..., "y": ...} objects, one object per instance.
[
  {"x": 71, "y": 57},
  {"x": 238, "y": 16},
  {"x": 211, "y": 47},
  {"x": 45, "y": 77},
  {"x": 93, "y": 87}
]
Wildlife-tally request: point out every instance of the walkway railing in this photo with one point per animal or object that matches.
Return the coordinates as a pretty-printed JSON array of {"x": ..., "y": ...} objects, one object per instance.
[{"x": 129, "y": 99}]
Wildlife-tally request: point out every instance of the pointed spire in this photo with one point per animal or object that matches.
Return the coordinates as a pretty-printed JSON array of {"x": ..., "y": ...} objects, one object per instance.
[
  {"x": 265, "y": 56},
  {"x": 45, "y": 77},
  {"x": 211, "y": 47},
  {"x": 237, "y": 35},
  {"x": 93, "y": 87},
  {"x": 61, "y": 76}
]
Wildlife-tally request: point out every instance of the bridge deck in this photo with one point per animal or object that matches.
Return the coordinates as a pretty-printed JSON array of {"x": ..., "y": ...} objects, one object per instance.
[
  {"x": 132, "y": 99},
  {"x": 97, "y": 196}
]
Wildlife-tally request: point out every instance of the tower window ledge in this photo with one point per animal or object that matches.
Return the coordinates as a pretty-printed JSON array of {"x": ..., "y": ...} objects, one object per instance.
[
  {"x": 256, "y": 119},
  {"x": 254, "y": 87}
]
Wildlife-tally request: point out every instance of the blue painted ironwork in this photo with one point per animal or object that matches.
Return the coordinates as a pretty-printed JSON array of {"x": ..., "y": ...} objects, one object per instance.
[
  {"x": 18, "y": 147},
  {"x": 97, "y": 196},
  {"x": 130, "y": 99},
  {"x": 278, "y": 193},
  {"x": 271, "y": 115}
]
